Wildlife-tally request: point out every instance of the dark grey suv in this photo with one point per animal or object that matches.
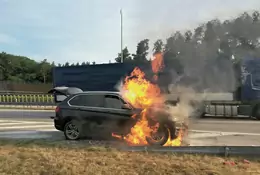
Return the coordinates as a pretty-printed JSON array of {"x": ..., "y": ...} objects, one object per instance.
[{"x": 98, "y": 113}]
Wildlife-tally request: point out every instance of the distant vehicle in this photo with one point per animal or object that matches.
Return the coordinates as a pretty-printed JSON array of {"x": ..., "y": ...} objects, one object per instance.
[
  {"x": 100, "y": 113},
  {"x": 244, "y": 101}
]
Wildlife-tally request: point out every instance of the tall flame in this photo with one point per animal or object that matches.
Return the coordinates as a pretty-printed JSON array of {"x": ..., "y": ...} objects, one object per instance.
[
  {"x": 139, "y": 91},
  {"x": 143, "y": 94},
  {"x": 157, "y": 64}
]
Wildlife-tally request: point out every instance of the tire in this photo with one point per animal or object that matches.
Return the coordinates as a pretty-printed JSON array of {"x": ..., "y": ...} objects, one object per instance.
[
  {"x": 72, "y": 130},
  {"x": 164, "y": 134}
]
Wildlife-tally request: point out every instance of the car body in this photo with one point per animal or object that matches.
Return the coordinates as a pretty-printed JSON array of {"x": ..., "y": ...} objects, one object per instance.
[{"x": 100, "y": 113}]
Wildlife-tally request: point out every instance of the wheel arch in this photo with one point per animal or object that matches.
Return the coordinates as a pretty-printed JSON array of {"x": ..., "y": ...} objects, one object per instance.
[
  {"x": 172, "y": 128},
  {"x": 66, "y": 120}
]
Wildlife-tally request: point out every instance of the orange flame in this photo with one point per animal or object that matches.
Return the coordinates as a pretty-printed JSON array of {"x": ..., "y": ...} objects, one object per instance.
[
  {"x": 141, "y": 93},
  {"x": 175, "y": 142},
  {"x": 138, "y": 91},
  {"x": 157, "y": 64},
  {"x": 139, "y": 132}
]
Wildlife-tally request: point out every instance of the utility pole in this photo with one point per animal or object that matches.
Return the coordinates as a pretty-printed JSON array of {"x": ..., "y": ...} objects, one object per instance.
[{"x": 121, "y": 15}]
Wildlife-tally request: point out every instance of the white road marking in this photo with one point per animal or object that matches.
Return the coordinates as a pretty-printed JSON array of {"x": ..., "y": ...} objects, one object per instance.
[
  {"x": 25, "y": 127},
  {"x": 10, "y": 121},
  {"x": 34, "y": 122},
  {"x": 27, "y": 110},
  {"x": 225, "y": 122},
  {"x": 226, "y": 133},
  {"x": 2, "y": 125},
  {"x": 19, "y": 132},
  {"x": 11, "y": 125},
  {"x": 205, "y": 135},
  {"x": 24, "y": 121}
]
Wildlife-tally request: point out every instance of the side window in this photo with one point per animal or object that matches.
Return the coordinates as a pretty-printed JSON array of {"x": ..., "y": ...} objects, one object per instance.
[
  {"x": 87, "y": 100},
  {"x": 112, "y": 101}
]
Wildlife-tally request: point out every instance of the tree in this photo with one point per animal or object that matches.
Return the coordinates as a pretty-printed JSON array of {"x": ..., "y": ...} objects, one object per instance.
[
  {"x": 85, "y": 63},
  {"x": 158, "y": 46},
  {"x": 141, "y": 51},
  {"x": 188, "y": 36},
  {"x": 255, "y": 16},
  {"x": 67, "y": 64},
  {"x": 126, "y": 56},
  {"x": 45, "y": 68},
  {"x": 207, "y": 50},
  {"x": 209, "y": 35},
  {"x": 5, "y": 66}
]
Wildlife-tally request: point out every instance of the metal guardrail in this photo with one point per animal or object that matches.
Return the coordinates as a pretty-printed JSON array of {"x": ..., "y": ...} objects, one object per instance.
[
  {"x": 26, "y": 99},
  {"x": 252, "y": 151}
]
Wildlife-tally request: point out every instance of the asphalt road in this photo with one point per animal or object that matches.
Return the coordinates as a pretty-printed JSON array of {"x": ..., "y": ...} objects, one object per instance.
[
  {"x": 209, "y": 131},
  {"x": 26, "y": 114},
  {"x": 207, "y": 124}
]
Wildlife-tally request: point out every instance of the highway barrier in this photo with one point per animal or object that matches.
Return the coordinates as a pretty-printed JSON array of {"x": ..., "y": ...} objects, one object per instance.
[
  {"x": 250, "y": 151},
  {"x": 33, "y": 100}
]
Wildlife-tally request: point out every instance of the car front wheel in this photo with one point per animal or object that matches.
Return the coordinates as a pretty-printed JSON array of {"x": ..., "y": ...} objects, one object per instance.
[
  {"x": 160, "y": 137},
  {"x": 72, "y": 130}
]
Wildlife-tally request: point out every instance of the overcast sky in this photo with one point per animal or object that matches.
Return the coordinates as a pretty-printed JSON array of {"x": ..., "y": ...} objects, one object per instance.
[{"x": 85, "y": 30}]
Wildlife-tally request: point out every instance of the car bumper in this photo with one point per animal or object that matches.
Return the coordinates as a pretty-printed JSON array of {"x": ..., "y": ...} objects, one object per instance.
[{"x": 57, "y": 123}]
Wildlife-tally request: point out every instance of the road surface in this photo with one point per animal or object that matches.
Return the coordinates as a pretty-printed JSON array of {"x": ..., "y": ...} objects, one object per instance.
[
  {"x": 37, "y": 124},
  {"x": 27, "y": 114}
]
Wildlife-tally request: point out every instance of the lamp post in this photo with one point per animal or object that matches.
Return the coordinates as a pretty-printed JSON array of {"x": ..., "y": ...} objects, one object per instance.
[{"x": 121, "y": 15}]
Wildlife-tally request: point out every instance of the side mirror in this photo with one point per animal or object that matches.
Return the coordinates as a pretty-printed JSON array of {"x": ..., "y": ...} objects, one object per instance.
[{"x": 126, "y": 106}]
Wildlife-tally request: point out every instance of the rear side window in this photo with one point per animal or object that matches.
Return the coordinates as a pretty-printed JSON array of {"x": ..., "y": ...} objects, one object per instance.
[
  {"x": 112, "y": 101},
  {"x": 88, "y": 100}
]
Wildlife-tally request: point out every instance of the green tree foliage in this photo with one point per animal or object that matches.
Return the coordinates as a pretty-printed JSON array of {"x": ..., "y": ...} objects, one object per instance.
[
  {"x": 213, "y": 48},
  {"x": 192, "y": 50},
  {"x": 126, "y": 56},
  {"x": 158, "y": 46},
  {"x": 141, "y": 51},
  {"x": 22, "y": 69}
]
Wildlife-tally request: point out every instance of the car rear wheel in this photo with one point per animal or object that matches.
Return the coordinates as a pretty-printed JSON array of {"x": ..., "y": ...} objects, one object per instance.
[
  {"x": 160, "y": 137},
  {"x": 72, "y": 130}
]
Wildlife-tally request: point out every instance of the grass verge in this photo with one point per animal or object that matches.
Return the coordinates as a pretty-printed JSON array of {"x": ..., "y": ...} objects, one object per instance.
[{"x": 45, "y": 158}]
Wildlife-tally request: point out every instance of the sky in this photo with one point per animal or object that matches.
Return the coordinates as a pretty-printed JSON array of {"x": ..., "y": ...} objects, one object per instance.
[{"x": 85, "y": 30}]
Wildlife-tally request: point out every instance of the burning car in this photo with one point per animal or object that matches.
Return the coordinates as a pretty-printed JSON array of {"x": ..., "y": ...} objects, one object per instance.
[
  {"x": 137, "y": 113},
  {"x": 108, "y": 113}
]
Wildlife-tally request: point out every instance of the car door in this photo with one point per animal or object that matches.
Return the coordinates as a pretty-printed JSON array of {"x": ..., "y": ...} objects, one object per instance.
[
  {"x": 87, "y": 106},
  {"x": 89, "y": 109},
  {"x": 114, "y": 107},
  {"x": 117, "y": 116}
]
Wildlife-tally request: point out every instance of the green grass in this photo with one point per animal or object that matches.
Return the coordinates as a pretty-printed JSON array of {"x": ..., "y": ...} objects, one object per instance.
[{"x": 39, "y": 157}]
